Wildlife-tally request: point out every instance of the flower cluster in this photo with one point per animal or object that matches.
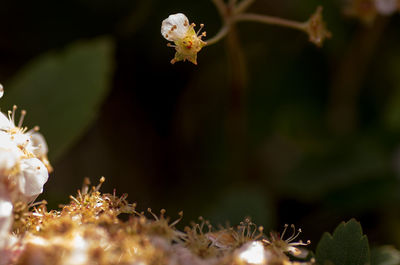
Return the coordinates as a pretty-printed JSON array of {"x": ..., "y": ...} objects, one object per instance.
[
  {"x": 88, "y": 230},
  {"x": 368, "y": 10},
  {"x": 24, "y": 167}
]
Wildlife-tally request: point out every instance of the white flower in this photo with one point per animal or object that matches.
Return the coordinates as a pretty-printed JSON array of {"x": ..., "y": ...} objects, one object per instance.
[
  {"x": 32, "y": 176},
  {"x": 187, "y": 42},
  {"x": 386, "y": 7},
  {"x": 1, "y": 91}
]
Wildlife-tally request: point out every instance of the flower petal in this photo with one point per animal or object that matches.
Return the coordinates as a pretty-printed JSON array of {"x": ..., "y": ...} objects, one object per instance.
[
  {"x": 175, "y": 27},
  {"x": 39, "y": 144},
  {"x": 6, "y": 209},
  {"x": 32, "y": 177}
]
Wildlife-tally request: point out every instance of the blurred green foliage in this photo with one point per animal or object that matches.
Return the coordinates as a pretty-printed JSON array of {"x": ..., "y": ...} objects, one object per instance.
[
  {"x": 278, "y": 129},
  {"x": 64, "y": 90}
]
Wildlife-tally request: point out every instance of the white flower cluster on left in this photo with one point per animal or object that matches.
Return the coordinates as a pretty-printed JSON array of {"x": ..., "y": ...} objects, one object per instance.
[{"x": 24, "y": 167}]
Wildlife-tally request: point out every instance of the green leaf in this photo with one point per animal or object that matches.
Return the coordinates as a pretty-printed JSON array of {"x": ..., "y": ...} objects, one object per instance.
[
  {"x": 62, "y": 91},
  {"x": 385, "y": 255},
  {"x": 347, "y": 246}
]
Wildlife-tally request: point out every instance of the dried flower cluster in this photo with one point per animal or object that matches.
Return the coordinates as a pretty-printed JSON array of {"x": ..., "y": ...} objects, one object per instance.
[
  {"x": 368, "y": 10},
  {"x": 89, "y": 231}
]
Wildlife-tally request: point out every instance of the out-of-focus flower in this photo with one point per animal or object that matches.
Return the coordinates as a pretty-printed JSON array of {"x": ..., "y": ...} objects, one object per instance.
[
  {"x": 386, "y": 7},
  {"x": 362, "y": 9},
  {"x": 187, "y": 42},
  {"x": 316, "y": 28},
  {"x": 368, "y": 10}
]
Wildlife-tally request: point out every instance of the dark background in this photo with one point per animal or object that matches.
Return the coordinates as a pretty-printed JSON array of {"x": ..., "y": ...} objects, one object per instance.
[{"x": 273, "y": 128}]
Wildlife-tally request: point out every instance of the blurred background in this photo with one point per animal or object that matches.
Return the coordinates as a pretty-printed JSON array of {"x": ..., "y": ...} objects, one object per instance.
[{"x": 267, "y": 125}]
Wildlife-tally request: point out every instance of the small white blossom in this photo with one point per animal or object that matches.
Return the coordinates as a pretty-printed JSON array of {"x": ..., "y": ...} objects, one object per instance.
[
  {"x": 187, "y": 42},
  {"x": 23, "y": 159}
]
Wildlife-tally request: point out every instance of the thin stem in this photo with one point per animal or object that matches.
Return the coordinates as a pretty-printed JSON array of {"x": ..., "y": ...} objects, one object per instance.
[
  {"x": 220, "y": 35},
  {"x": 242, "y": 6},
  {"x": 232, "y": 3},
  {"x": 220, "y": 7},
  {"x": 271, "y": 20}
]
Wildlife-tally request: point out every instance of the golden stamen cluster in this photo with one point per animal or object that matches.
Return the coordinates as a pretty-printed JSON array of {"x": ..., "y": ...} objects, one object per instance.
[{"x": 88, "y": 230}]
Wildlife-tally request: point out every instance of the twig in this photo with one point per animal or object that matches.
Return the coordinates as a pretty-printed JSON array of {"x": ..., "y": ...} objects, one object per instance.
[
  {"x": 220, "y": 35},
  {"x": 242, "y": 6},
  {"x": 220, "y": 7},
  {"x": 271, "y": 20}
]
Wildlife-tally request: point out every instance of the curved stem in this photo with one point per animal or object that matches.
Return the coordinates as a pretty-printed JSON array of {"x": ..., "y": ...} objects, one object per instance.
[
  {"x": 232, "y": 3},
  {"x": 272, "y": 21},
  {"x": 242, "y": 6},
  {"x": 220, "y": 7},
  {"x": 238, "y": 16},
  {"x": 220, "y": 35}
]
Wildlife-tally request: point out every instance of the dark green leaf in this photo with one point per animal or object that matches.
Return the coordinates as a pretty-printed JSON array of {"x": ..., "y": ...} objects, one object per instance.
[
  {"x": 62, "y": 91},
  {"x": 347, "y": 246}
]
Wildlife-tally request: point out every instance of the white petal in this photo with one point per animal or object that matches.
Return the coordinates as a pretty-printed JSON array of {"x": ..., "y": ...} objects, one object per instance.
[
  {"x": 1, "y": 91},
  {"x": 252, "y": 253},
  {"x": 23, "y": 139},
  {"x": 39, "y": 144},
  {"x": 386, "y": 7},
  {"x": 7, "y": 161},
  {"x": 32, "y": 177},
  {"x": 6, "y": 208},
  {"x": 5, "y": 123},
  {"x": 175, "y": 27},
  {"x": 9, "y": 154}
]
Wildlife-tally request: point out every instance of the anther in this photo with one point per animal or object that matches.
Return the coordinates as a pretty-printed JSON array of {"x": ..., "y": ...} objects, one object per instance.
[{"x": 162, "y": 212}]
